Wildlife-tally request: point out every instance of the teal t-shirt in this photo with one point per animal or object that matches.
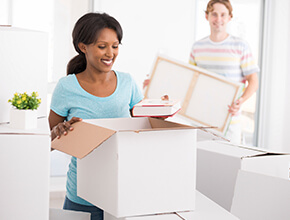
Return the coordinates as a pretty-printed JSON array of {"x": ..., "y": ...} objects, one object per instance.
[{"x": 71, "y": 100}]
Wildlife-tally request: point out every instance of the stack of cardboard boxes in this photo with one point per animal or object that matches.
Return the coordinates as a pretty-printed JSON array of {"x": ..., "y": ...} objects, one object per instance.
[{"x": 24, "y": 161}]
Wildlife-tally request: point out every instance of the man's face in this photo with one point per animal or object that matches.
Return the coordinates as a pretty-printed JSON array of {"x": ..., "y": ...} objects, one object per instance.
[{"x": 218, "y": 18}]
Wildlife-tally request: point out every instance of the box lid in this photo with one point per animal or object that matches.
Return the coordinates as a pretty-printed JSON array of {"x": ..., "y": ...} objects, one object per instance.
[
  {"x": 239, "y": 151},
  {"x": 61, "y": 214},
  {"x": 82, "y": 135},
  {"x": 86, "y": 136},
  {"x": 42, "y": 128},
  {"x": 259, "y": 150}
]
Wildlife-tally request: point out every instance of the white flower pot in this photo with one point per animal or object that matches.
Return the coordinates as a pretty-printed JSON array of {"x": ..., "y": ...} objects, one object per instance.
[{"x": 23, "y": 119}]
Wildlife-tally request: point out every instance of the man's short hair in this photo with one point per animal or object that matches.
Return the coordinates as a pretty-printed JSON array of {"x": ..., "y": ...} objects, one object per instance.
[{"x": 226, "y": 3}]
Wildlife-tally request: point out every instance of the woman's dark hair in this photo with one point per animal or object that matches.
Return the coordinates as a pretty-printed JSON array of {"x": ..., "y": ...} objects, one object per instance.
[{"x": 87, "y": 30}]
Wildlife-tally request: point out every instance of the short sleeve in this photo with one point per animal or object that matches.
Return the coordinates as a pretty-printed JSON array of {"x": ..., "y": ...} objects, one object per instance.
[
  {"x": 192, "y": 57},
  {"x": 58, "y": 100},
  {"x": 248, "y": 63},
  {"x": 136, "y": 95}
]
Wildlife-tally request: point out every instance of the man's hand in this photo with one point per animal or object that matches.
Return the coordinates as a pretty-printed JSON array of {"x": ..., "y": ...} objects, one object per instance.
[
  {"x": 146, "y": 81},
  {"x": 235, "y": 107}
]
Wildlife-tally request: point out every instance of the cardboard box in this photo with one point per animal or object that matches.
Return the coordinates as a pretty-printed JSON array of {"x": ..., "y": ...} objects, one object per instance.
[
  {"x": 203, "y": 134},
  {"x": 259, "y": 196},
  {"x": 24, "y": 162},
  {"x": 137, "y": 166},
  {"x": 205, "y": 209},
  {"x": 165, "y": 216},
  {"x": 218, "y": 164},
  {"x": 60, "y": 214}
]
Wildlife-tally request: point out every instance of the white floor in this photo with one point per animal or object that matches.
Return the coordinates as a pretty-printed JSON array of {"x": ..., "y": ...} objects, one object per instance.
[{"x": 57, "y": 192}]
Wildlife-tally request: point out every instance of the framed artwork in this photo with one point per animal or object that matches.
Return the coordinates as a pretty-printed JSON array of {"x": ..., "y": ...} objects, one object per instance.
[{"x": 204, "y": 95}]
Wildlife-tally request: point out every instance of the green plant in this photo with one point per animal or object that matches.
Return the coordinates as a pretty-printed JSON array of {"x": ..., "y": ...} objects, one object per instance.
[{"x": 24, "y": 101}]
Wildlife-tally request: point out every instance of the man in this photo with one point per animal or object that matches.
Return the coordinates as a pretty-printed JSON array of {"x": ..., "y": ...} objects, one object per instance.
[{"x": 228, "y": 56}]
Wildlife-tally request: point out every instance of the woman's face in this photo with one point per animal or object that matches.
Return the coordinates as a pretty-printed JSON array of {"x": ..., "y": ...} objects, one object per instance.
[{"x": 102, "y": 54}]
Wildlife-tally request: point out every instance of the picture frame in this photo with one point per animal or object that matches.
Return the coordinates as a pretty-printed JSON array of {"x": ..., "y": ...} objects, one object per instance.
[{"x": 204, "y": 95}]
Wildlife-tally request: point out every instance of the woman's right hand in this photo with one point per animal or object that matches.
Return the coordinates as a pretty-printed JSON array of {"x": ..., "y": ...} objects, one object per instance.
[{"x": 63, "y": 128}]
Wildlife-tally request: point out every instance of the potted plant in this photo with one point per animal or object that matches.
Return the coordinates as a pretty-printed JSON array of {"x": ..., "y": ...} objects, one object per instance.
[{"x": 23, "y": 115}]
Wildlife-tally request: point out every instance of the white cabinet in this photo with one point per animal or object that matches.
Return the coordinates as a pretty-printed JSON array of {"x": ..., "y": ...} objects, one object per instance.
[{"x": 24, "y": 172}]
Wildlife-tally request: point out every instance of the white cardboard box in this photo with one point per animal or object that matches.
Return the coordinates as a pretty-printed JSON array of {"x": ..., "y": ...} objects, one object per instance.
[
  {"x": 218, "y": 164},
  {"x": 206, "y": 209},
  {"x": 165, "y": 216},
  {"x": 24, "y": 171},
  {"x": 137, "y": 167},
  {"x": 203, "y": 134},
  {"x": 60, "y": 214},
  {"x": 259, "y": 196}
]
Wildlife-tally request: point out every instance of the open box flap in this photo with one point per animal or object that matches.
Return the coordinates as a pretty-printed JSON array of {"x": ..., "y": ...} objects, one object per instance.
[
  {"x": 258, "y": 151},
  {"x": 82, "y": 140},
  {"x": 162, "y": 124}
]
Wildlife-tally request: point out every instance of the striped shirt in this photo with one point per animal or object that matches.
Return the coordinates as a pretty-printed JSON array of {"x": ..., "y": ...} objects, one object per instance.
[{"x": 231, "y": 58}]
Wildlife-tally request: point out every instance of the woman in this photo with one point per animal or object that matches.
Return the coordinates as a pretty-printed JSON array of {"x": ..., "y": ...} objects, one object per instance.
[{"x": 91, "y": 90}]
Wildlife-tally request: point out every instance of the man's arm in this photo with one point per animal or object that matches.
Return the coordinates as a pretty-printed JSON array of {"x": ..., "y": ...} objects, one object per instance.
[{"x": 253, "y": 84}]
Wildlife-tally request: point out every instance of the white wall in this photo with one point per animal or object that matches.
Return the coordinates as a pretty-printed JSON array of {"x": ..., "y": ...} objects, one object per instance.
[
  {"x": 274, "y": 116},
  {"x": 23, "y": 57},
  {"x": 151, "y": 27},
  {"x": 65, "y": 15}
]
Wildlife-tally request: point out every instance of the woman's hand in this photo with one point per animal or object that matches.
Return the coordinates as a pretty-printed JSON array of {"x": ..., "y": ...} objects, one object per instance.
[{"x": 63, "y": 128}]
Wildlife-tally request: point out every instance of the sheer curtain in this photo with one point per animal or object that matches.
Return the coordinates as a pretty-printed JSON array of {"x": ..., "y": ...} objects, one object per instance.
[{"x": 274, "y": 116}]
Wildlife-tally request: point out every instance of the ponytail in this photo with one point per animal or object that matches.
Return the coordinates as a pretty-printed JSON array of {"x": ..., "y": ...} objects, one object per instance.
[{"x": 76, "y": 65}]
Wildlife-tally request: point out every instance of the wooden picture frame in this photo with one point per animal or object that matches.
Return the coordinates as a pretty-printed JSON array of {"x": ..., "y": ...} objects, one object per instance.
[{"x": 204, "y": 95}]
